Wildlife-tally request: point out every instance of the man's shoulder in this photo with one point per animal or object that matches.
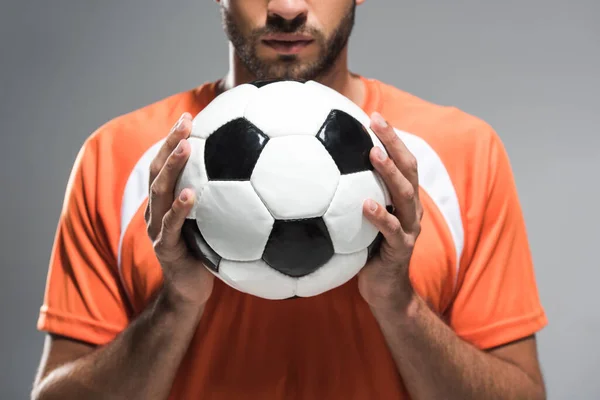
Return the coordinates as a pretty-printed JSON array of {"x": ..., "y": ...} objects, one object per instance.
[
  {"x": 452, "y": 147},
  {"x": 150, "y": 123},
  {"x": 126, "y": 143},
  {"x": 441, "y": 124},
  {"x": 461, "y": 140}
]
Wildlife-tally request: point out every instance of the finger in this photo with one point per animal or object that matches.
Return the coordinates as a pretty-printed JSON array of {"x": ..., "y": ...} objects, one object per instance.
[
  {"x": 404, "y": 159},
  {"x": 404, "y": 195},
  {"x": 400, "y": 244},
  {"x": 162, "y": 189},
  {"x": 170, "y": 245},
  {"x": 181, "y": 130},
  {"x": 386, "y": 223}
]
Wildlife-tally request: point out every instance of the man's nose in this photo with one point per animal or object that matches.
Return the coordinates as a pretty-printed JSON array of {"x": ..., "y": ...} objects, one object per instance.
[{"x": 288, "y": 9}]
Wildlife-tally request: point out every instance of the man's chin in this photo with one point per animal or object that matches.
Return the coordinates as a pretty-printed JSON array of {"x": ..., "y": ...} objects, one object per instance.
[{"x": 289, "y": 69}]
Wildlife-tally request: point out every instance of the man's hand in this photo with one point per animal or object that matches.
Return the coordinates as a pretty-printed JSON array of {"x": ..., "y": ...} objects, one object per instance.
[
  {"x": 384, "y": 281},
  {"x": 185, "y": 277}
]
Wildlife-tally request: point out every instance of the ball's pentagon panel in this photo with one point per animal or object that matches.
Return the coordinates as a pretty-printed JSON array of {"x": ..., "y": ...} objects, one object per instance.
[
  {"x": 343, "y": 103},
  {"x": 231, "y": 152},
  {"x": 348, "y": 142},
  {"x": 226, "y": 107},
  {"x": 298, "y": 248},
  {"x": 194, "y": 240}
]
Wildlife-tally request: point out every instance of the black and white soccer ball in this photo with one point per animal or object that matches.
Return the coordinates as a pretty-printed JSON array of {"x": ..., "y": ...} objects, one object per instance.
[{"x": 281, "y": 170}]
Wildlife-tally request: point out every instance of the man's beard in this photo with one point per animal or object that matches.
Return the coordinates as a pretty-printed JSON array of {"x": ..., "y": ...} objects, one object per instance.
[{"x": 289, "y": 67}]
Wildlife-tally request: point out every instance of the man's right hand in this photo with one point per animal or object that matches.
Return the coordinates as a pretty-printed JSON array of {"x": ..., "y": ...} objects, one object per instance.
[{"x": 186, "y": 280}]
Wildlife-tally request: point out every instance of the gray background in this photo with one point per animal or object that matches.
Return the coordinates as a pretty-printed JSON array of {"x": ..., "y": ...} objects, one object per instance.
[{"x": 530, "y": 68}]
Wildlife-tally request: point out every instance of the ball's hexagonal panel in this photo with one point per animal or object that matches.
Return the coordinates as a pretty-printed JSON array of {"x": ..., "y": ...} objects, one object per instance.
[
  {"x": 196, "y": 243},
  {"x": 287, "y": 108},
  {"x": 295, "y": 177},
  {"x": 193, "y": 175},
  {"x": 298, "y": 248},
  {"x": 336, "y": 272},
  {"x": 349, "y": 229},
  {"x": 232, "y": 151},
  {"x": 228, "y": 106},
  {"x": 348, "y": 142},
  {"x": 257, "y": 278},
  {"x": 233, "y": 220}
]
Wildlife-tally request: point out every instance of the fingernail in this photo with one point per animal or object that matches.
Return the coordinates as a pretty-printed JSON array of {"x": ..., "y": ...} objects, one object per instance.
[
  {"x": 183, "y": 196},
  {"x": 179, "y": 148},
  {"x": 179, "y": 125},
  {"x": 380, "y": 154},
  {"x": 371, "y": 205},
  {"x": 379, "y": 120}
]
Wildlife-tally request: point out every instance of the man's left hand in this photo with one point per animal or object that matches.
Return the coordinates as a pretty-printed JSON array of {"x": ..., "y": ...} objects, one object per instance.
[{"x": 384, "y": 281}]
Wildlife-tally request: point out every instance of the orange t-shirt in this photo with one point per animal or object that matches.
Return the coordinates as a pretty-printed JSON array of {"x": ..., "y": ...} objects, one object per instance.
[{"x": 471, "y": 263}]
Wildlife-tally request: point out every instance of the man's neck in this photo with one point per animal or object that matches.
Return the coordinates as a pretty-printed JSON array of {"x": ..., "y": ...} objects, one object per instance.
[{"x": 338, "y": 78}]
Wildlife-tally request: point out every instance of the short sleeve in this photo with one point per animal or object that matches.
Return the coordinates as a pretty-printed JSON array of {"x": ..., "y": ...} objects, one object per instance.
[
  {"x": 497, "y": 298},
  {"x": 83, "y": 298}
]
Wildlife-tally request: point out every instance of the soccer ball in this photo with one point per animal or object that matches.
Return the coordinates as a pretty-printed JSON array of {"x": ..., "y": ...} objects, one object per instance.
[{"x": 281, "y": 170}]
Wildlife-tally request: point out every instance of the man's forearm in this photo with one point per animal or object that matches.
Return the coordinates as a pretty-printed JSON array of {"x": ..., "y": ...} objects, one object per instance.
[
  {"x": 436, "y": 364},
  {"x": 141, "y": 363}
]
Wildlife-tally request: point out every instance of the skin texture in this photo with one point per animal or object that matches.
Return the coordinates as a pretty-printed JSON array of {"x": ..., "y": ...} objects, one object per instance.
[{"x": 432, "y": 360}]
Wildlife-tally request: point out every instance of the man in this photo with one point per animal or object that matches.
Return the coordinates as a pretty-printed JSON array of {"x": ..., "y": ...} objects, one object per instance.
[{"x": 447, "y": 310}]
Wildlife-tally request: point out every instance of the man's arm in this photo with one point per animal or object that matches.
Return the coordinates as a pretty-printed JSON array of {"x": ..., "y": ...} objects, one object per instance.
[
  {"x": 143, "y": 359},
  {"x": 140, "y": 363},
  {"x": 495, "y": 300},
  {"x": 436, "y": 364}
]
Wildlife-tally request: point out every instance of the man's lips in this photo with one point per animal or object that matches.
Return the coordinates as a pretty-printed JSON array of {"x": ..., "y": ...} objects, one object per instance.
[
  {"x": 288, "y": 37},
  {"x": 287, "y": 44}
]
